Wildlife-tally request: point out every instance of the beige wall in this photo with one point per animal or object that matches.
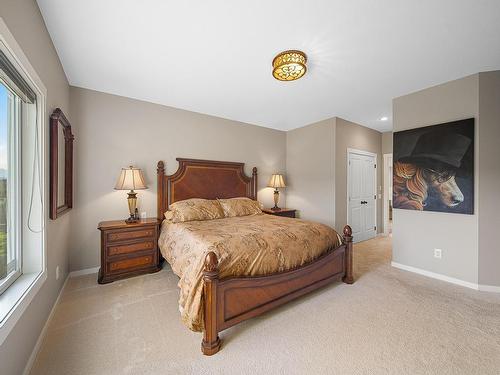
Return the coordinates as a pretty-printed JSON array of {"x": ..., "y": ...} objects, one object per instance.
[
  {"x": 114, "y": 132},
  {"x": 25, "y": 22},
  {"x": 415, "y": 233},
  {"x": 352, "y": 135},
  {"x": 310, "y": 156},
  {"x": 489, "y": 183},
  {"x": 387, "y": 143},
  {"x": 317, "y": 168}
]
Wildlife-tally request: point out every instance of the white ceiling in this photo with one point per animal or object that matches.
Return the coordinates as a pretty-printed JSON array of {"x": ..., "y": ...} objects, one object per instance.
[{"x": 215, "y": 56}]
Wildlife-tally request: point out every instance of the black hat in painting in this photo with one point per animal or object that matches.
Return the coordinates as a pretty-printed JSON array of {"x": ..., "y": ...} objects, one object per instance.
[{"x": 439, "y": 149}]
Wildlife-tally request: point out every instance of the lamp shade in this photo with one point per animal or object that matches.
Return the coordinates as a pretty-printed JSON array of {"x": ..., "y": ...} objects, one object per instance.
[
  {"x": 131, "y": 179},
  {"x": 276, "y": 181}
]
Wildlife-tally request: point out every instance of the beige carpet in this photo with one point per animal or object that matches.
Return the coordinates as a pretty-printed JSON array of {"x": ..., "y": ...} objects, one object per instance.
[{"x": 388, "y": 322}]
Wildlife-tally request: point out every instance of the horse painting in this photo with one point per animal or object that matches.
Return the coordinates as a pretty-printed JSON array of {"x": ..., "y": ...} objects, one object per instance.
[{"x": 433, "y": 168}]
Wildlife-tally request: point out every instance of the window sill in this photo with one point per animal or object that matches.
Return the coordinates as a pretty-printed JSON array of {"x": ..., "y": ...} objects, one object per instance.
[{"x": 15, "y": 300}]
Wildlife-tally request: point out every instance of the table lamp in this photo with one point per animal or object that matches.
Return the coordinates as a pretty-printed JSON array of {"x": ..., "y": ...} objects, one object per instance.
[
  {"x": 131, "y": 179},
  {"x": 276, "y": 181}
]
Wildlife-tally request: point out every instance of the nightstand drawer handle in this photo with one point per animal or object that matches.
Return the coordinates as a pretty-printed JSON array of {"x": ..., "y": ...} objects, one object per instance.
[
  {"x": 125, "y": 249},
  {"x": 120, "y": 236}
]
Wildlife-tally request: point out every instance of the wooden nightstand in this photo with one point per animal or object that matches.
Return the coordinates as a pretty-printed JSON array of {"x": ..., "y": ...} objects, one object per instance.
[
  {"x": 128, "y": 249},
  {"x": 287, "y": 212}
]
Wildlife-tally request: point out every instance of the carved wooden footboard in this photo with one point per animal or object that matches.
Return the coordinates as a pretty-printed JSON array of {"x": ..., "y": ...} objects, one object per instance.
[{"x": 230, "y": 301}]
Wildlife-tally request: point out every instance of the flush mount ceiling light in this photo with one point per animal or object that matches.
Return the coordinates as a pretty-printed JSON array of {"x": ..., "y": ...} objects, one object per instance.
[
  {"x": 385, "y": 118},
  {"x": 289, "y": 65}
]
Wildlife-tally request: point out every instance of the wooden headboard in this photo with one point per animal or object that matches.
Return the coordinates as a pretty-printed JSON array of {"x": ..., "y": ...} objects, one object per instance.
[{"x": 206, "y": 179}]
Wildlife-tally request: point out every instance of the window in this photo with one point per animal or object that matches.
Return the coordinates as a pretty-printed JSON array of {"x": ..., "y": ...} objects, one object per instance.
[
  {"x": 22, "y": 172},
  {"x": 10, "y": 246}
]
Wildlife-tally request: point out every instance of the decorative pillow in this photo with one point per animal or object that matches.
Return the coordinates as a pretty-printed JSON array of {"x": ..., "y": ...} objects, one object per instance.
[
  {"x": 194, "y": 209},
  {"x": 240, "y": 207}
]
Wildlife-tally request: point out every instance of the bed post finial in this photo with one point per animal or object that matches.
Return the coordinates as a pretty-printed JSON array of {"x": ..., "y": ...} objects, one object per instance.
[
  {"x": 254, "y": 183},
  {"x": 348, "y": 278},
  {"x": 211, "y": 263},
  {"x": 160, "y": 167},
  {"x": 160, "y": 187},
  {"x": 211, "y": 342},
  {"x": 347, "y": 231}
]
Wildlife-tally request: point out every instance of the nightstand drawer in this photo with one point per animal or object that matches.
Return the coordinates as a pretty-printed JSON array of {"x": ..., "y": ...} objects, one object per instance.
[
  {"x": 131, "y": 248},
  {"x": 131, "y": 235},
  {"x": 131, "y": 263}
]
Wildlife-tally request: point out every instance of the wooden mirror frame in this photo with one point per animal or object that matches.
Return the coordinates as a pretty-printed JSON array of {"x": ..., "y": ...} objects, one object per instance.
[{"x": 58, "y": 119}]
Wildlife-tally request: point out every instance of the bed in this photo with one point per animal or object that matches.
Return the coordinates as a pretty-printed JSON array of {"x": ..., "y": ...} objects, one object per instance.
[{"x": 235, "y": 268}]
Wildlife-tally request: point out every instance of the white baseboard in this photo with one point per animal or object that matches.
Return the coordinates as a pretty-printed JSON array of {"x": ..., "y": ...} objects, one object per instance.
[
  {"x": 39, "y": 341},
  {"x": 437, "y": 276},
  {"x": 489, "y": 288},
  {"x": 86, "y": 271}
]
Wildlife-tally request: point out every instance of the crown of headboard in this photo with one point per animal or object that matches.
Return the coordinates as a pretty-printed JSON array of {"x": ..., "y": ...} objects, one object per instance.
[{"x": 206, "y": 179}]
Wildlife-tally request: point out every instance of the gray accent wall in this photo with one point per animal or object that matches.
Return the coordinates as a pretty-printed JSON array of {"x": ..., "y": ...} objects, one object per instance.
[
  {"x": 317, "y": 168},
  {"x": 387, "y": 143},
  {"x": 489, "y": 183},
  {"x": 469, "y": 242},
  {"x": 311, "y": 171},
  {"x": 354, "y": 136},
  {"x": 115, "y": 132},
  {"x": 417, "y": 233},
  {"x": 26, "y": 24}
]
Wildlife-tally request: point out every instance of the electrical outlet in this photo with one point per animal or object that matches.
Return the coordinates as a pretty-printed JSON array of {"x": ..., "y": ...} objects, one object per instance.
[
  {"x": 438, "y": 253},
  {"x": 143, "y": 215},
  {"x": 57, "y": 273}
]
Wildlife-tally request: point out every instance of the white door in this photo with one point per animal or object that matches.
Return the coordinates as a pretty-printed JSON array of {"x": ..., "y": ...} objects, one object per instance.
[{"x": 361, "y": 192}]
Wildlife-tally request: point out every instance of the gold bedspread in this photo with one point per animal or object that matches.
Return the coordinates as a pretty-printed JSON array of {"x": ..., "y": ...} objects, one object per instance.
[{"x": 245, "y": 246}]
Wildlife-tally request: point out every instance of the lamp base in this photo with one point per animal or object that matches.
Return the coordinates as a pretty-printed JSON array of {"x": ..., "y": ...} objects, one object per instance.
[
  {"x": 276, "y": 200},
  {"x": 132, "y": 207},
  {"x": 132, "y": 220}
]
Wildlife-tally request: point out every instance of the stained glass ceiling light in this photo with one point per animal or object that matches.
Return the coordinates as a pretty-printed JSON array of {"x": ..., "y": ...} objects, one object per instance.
[{"x": 289, "y": 65}]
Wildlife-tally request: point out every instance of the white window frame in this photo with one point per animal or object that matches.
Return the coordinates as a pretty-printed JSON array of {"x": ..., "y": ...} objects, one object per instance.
[
  {"x": 16, "y": 299},
  {"x": 14, "y": 216}
]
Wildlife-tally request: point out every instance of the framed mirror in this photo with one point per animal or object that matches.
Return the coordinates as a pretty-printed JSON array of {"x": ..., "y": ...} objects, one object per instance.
[{"x": 61, "y": 164}]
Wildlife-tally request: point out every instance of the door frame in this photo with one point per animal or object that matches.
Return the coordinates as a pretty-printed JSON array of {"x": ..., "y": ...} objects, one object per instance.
[
  {"x": 387, "y": 182},
  {"x": 366, "y": 153}
]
